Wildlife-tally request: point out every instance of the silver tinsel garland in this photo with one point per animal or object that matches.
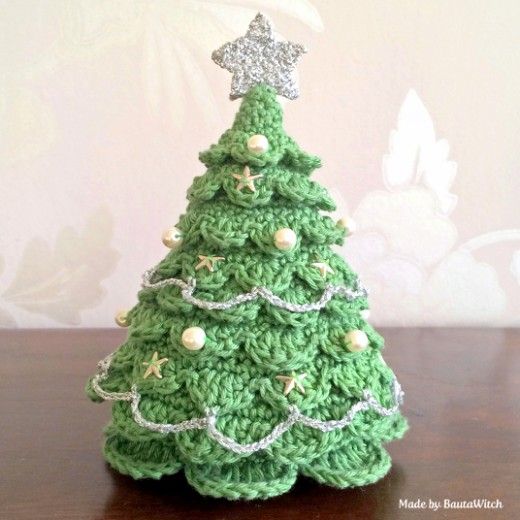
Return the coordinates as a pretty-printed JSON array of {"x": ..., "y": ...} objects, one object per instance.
[{"x": 188, "y": 288}]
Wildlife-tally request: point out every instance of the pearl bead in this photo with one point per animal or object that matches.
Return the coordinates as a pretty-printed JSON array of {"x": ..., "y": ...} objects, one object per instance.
[
  {"x": 194, "y": 338},
  {"x": 172, "y": 238},
  {"x": 258, "y": 144},
  {"x": 365, "y": 314},
  {"x": 285, "y": 239},
  {"x": 122, "y": 318},
  {"x": 356, "y": 340},
  {"x": 348, "y": 223}
]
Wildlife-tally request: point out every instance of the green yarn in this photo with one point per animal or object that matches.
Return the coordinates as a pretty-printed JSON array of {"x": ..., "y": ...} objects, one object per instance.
[{"x": 248, "y": 345}]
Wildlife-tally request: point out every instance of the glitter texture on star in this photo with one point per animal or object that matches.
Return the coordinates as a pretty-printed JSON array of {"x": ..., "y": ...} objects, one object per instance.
[{"x": 258, "y": 58}]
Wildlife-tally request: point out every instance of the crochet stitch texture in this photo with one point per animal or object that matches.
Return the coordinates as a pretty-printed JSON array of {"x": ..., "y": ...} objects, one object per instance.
[{"x": 233, "y": 376}]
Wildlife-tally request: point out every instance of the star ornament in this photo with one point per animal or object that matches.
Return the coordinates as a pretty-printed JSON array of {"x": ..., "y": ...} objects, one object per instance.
[
  {"x": 323, "y": 268},
  {"x": 208, "y": 262},
  {"x": 154, "y": 366},
  {"x": 246, "y": 180},
  {"x": 259, "y": 58},
  {"x": 291, "y": 382}
]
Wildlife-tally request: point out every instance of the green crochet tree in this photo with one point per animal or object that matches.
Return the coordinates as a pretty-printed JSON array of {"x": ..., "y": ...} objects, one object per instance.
[{"x": 248, "y": 360}]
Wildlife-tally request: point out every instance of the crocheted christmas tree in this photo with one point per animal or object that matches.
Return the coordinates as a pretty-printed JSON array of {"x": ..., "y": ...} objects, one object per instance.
[{"x": 248, "y": 358}]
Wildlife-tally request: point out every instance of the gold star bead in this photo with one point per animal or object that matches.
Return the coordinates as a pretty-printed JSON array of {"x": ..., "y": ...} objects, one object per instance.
[
  {"x": 246, "y": 180},
  {"x": 291, "y": 382},
  {"x": 208, "y": 261},
  {"x": 154, "y": 366},
  {"x": 323, "y": 268}
]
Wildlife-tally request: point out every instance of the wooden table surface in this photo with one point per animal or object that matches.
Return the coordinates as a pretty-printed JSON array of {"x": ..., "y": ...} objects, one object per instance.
[{"x": 462, "y": 399}]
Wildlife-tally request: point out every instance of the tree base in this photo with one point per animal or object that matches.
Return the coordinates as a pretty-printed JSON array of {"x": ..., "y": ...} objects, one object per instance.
[
  {"x": 359, "y": 465},
  {"x": 358, "y": 462}
]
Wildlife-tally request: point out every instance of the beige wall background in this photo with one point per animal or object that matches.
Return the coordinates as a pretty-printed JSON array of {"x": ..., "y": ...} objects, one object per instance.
[{"x": 413, "y": 105}]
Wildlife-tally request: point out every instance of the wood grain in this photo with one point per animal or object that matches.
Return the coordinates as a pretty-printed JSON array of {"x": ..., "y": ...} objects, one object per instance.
[{"x": 462, "y": 399}]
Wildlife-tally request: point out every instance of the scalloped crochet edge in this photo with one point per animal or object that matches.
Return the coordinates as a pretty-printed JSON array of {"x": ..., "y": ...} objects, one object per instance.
[{"x": 209, "y": 421}]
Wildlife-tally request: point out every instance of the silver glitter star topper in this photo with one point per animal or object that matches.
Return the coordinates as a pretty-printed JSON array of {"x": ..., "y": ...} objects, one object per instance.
[{"x": 259, "y": 58}]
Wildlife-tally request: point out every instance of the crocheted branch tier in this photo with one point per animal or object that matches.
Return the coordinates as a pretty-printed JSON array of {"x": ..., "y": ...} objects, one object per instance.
[{"x": 209, "y": 422}]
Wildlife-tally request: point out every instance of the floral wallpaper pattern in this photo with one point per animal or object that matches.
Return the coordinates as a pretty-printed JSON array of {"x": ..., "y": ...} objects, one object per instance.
[
  {"x": 105, "y": 105},
  {"x": 61, "y": 281},
  {"x": 407, "y": 250}
]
